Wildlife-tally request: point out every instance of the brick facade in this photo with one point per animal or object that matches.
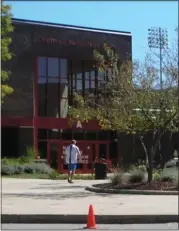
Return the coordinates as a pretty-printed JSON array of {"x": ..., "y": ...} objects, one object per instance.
[{"x": 30, "y": 41}]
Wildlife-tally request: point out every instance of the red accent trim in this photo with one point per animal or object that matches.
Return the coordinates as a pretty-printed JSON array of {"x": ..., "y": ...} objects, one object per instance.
[
  {"x": 46, "y": 123},
  {"x": 63, "y": 123},
  {"x": 16, "y": 121}
]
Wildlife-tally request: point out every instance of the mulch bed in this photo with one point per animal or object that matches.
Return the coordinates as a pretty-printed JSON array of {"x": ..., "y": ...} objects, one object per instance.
[{"x": 154, "y": 185}]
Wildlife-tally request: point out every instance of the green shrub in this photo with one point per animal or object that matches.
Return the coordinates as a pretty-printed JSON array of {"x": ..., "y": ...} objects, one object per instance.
[
  {"x": 137, "y": 176},
  {"x": 53, "y": 175},
  {"x": 29, "y": 153},
  {"x": 167, "y": 178},
  {"x": 11, "y": 170},
  {"x": 7, "y": 170},
  {"x": 118, "y": 179},
  {"x": 15, "y": 169},
  {"x": 10, "y": 161},
  {"x": 37, "y": 168},
  {"x": 156, "y": 175},
  {"x": 24, "y": 160}
]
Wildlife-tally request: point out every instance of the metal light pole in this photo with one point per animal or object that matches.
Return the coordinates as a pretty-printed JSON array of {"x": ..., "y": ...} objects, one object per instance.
[{"x": 158, "y": 38}]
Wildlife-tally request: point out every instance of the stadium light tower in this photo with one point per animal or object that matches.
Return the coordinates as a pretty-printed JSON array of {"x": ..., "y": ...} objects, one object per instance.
[{"x": 158, "y": 39}]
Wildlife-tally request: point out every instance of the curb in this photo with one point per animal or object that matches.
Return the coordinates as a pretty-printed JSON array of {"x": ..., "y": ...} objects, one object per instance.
[
  {"x": 81, "y": 219},
  {"x": 130, "y": 191}
]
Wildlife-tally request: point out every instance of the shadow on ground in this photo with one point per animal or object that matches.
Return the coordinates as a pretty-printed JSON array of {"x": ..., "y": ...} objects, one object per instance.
[
  {"x": 55, "y": 196},
  {"x": 58, "y": 187}
]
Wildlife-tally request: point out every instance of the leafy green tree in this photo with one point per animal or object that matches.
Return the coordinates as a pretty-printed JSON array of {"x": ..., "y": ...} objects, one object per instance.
[
  {"x": 128, "y": 101},
  {"x": 6, "y": 30}
]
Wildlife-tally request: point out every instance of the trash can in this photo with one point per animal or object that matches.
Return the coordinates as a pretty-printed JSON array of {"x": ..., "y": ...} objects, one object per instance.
[{"x": 100, "y": 171}]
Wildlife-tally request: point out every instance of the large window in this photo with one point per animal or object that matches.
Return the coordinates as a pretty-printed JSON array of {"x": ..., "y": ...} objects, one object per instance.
[
  {"x": 58, "y": 79},
  {"x": 52, "y": 87}
]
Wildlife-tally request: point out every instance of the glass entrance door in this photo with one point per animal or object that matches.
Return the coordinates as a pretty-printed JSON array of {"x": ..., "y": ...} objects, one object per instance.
[{"x": 53, "y": 154}]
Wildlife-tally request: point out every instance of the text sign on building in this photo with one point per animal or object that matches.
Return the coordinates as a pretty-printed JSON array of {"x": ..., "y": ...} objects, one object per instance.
[
  {"x": 51, "y": 40},
  {"x": 84, "y": 159},
  {"x": 79, "y": 124}
]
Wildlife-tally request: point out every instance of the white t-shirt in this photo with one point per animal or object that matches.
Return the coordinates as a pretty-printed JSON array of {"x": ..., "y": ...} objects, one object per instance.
[{"x": 74, "y": 154}]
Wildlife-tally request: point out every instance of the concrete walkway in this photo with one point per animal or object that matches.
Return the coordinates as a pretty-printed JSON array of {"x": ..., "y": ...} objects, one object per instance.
[{"x": 24, "y": 196}]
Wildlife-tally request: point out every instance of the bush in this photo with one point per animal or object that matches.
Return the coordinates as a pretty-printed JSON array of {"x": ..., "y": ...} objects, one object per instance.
[
  {"x": 54, "y": 175},
  {"x": 11, "y": 170},
  {"x": 37, "y": 168},
  {"x": 15, "y": 169},
  {"x": 118, "y": 179},
  {"x": 10, "y": 161},
  {"x": 137, "y": 176},
  {"x": 7, "y": 170},
  {"x": 167, "y": 178},
  {"x": 24, "y": 160},
  {"x": 29, "y": 153},
  {"x": 156, "y": 175}
]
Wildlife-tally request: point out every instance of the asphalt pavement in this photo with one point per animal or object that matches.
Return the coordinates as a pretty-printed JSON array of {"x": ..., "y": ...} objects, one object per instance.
[{"x": 49, "y": 227}]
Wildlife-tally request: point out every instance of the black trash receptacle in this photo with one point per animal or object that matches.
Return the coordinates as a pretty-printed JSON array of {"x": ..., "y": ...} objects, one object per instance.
[{"x": 100, "y": 171}]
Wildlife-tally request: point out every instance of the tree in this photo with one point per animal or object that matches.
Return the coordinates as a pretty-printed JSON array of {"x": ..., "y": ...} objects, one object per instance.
[
  {"x": 6, "y": 30},
  {"x": 128, "y": 101}
]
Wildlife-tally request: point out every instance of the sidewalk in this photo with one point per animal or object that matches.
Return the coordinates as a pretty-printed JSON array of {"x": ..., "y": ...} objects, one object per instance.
[{"x": 43, "y": 197}]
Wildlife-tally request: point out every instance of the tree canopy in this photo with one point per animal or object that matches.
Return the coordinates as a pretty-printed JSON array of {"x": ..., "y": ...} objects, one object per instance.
[
  {"x": 6, "y": 30},
  {"x": 129, "y": 99}
]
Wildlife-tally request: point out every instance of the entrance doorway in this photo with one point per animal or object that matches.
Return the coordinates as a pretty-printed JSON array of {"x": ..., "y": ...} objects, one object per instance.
[{"x": 91, "y": 151}]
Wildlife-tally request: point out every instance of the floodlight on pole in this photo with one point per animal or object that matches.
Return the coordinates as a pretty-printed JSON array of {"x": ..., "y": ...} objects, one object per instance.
[{"x": 158, "y": 39}]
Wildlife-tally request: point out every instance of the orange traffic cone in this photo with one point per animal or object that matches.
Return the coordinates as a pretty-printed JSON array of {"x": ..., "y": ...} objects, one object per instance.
[{"x": 91, "y": 223}]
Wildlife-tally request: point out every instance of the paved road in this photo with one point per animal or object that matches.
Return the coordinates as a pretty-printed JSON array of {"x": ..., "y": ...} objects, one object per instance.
[
  {"x": 59, "y": 197},
  {"x": 49, "y": 227}
]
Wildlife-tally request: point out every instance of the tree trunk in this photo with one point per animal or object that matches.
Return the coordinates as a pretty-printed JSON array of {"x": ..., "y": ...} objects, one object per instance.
[
  {"x": 150, "y": 166},
  {"x": 150, "y": 154}
]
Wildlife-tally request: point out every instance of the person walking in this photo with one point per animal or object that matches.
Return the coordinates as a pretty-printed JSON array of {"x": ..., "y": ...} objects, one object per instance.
[{"x": 73, "y": 154}]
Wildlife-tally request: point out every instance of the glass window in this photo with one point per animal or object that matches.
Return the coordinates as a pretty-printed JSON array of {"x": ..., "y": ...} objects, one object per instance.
[
  {"x": 87, "y": 84},
  {"x": 63, "y": 68},
  {"x": 79, "y": 84},
  {"x": 92, "y": 84},
  {"x": 53, "y": 80},
  {"x": 42, "y": 80},
  {"x": 53, "y": 67},
  {"x": 78, "y": 135},
  {"x": 42, "y": 134},
  {"x": 42, "y": 99},
  {"x": 103, "y": 151},
  {"x": 79, "y": 76},
  {"x": 66, "y": 134},
  {"x": 54, "y": 134},
  {"x": 109, "y": 73},
  {"x": 74, "y": 82},
  {"x": 63, "y": 108},
  {"x": 90, "y": 135},
  {"x": 42, "y": 149},
  {"x": 52, "y": 100},
  {"x": 92, "y": 75},
  {"x": 103, "y": 135},
  {"x": 42, "y": 66},
  {"x": 101, "y": 75},
  {"x": 87, "y": 75},
  {"x": 63, "y": 90}
]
